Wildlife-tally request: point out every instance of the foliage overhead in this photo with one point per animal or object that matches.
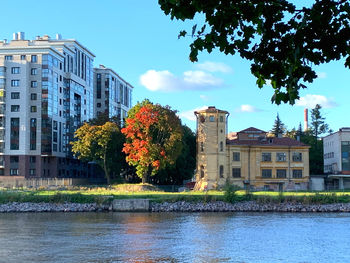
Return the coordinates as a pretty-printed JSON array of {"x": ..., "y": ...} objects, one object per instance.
[
  {"x": 153, "y": 138},
  {"x": 282, "y": 41},
  {"x": 101, "y": 144}
]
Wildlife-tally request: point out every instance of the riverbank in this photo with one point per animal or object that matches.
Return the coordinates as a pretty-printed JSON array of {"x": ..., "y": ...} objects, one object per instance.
[{"x": 180, "y": 206}]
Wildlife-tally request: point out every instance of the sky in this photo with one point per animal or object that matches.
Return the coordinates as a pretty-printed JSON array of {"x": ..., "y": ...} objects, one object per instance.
[{"x": 138, "y": 41}]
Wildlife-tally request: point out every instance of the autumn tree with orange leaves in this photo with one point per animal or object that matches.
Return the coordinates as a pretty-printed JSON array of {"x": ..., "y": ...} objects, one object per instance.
[{"x": 153, "y": 138}]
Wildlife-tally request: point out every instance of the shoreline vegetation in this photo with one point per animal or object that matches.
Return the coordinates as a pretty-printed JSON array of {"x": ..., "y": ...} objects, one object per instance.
[{"x": 100, "y": 199}]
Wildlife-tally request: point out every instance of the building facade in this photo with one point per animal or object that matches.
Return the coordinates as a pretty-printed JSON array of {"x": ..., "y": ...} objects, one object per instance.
[
  {"x": 336, "y": 149},
  {"x": 113, "y": 95},
  {"x": 46, "y": 92},
  {"x": 247, "y": 158}
]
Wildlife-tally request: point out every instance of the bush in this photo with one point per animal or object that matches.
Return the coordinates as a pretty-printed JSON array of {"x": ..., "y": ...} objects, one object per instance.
[{"x": 230, "y": 194}]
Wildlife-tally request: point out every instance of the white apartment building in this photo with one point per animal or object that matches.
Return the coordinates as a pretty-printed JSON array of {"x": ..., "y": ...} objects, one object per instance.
[
  {"x": 46, "y": 92},
  {"x": 113, "y": 95},
  {"x": 336, "y": 149}
]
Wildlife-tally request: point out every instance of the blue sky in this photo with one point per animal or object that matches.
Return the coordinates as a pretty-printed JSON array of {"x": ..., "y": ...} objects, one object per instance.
[{"x": 138, "y": 41}]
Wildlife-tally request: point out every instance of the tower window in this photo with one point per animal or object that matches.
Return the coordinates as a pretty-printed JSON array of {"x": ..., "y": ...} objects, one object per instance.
[
  {"x": 221, "y": 146},
  {"x": 202, "y": 146},
  {"x": 202, "y": 171},
  {"x": 221, "y": 118},
  {"x": 221, "y": 172},
  {"x": 211, "y": 118}
]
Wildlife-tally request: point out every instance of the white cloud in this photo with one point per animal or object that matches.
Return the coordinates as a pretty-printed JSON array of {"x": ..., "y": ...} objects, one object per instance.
[
  {"x": 189, "y": 115},
  {"x": 248, "y": 108},
  {"x": 204, "y": 97},
  {"x": 321, "y": 75},
  {"x": 310, "y": 101},
  {"x": 191, "y": 80},
  {"x": 214, "y": 67}
]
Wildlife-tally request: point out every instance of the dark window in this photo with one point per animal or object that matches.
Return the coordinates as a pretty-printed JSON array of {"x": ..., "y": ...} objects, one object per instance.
[
  {"x": 98, "y": 105},
  {"x": 236, "y": 156},
  {"x": 13, "y": 171},
  {"x": 34, "y": 84},
  {"x": 266, "y": 173},
  {"x": 221, "y": 118},
  {"x": 34, "y": 71},
  {"x": 14, "y": 134},
  {"x": 34, "y": 58},
  {"x": 33, "y": 96},
  {"x": 14, "y": 95},
  {"x": 281, "y": 157},
  {"x": 23, "y": 57},
  {"x": 31, "y": 171},
  {"x": 297, "y": 173},
  {"x": 14, "y": 159},
  {"x": 221, "y": 171},
  {"x": 297, "y": 157},
  {"x": 98, "y": 86},
  {"x": 15, "y": 83},
  {"x": 8, "y": 57},
  {"x": 202, "y": 146},
  {"x": 236, "y": 172},
  {"x": 202, "y": 171},
  {"x": 15, "y": 70},
  {"x": 281, "y": 173},
  {"x": 14, "y": 108},
  {"x": 221, "y": 146},
  {"x": 211, "y": 118},
  {"x": 33, "y": 109},
  {"x": 266, "y": 157},
  {"x": 32, "y": 159}
]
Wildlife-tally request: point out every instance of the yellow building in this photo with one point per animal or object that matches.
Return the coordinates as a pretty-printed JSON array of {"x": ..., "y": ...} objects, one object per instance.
[{"x": 247, "y": 158}]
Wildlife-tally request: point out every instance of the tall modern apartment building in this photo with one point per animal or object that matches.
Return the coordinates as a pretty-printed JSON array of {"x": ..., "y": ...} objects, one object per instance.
[
  {"x": 112, "y": 93},
  {"x": 46, "y": 92}
]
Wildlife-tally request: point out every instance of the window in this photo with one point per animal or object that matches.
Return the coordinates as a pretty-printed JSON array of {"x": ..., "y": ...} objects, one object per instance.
[
  {"x": 15, "y": 70},
  {"x": 236, "y": 156},
  {"x": 13, "y": 171},
  {"x": 31, "y": 171},
  {"x": 14, "y": 108},
  {"x": 33, "y": 96},
  {"x": 221, "y": 171},
  {"x": 14, "y": 95},
  {"x": 221, "y": 146},
  {"x": 281, "y": 173},
  {"x": 266, "y": 173},
  {"x": 236, "y": 172},
  {"x": 8, "y": 57},
  {"x": 14, "y": 159},
  {"x": 211, "y": 118},
  {"x": 32, "y": 159},
  {"x": 55, "y": 125},
  {"x": 32, "y": 108},
  {"x": 221, "y": 118},
  {"x": 23, "y": 57},
  {"x": 34, "y": 71},
  {"x": 266, "y": 157},
  {"x": 202, "y": 171},
  {"x": 34, "y": 84},
  {"x": 34, "y": 58},
  {"x": 281, "y": 157},
  {"x": 15, "y": 83},
  {"x": 297, "y": 157},
  {"x": 297, "y": 173},
  {"x": 202, "y": 146}
]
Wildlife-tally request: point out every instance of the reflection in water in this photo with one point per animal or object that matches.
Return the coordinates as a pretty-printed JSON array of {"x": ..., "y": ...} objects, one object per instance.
[{"x": 174, "y": 237}]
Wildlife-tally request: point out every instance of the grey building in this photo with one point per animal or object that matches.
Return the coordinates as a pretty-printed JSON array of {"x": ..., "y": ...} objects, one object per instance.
[
  {"x": 46, "y": 92},
  {"x": 113, "y": 95}
]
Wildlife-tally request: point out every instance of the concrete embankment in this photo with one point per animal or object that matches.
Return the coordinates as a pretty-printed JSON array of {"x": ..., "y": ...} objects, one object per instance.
[{"x": 145, "y": 205}]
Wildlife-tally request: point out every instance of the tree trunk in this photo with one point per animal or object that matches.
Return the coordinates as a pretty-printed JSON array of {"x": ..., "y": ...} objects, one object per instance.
[
  {"x": 146, "y": 175},
  {"x": 106, "y": 170}
]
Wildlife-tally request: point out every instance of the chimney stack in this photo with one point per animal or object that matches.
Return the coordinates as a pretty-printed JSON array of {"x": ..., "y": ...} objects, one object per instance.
[
  {"x": 306, "y": 120},
  {"x": 15, "y": 36},
  {"x": 20, "y": 35}
]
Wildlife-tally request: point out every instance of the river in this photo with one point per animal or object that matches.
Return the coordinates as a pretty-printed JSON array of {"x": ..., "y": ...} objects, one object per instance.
[{"x": 174, "y": 237}]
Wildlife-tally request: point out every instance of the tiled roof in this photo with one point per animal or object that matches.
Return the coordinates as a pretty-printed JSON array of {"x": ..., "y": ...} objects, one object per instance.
[
  {"x": 212, "y": 109},
  {"x": 274, "y": 141},
  {"x": 252, "y": 129}
]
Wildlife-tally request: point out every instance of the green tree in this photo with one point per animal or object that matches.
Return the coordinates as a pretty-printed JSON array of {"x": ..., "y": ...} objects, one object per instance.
[
  {"x": 185, "y": 163},
  {"x": 281, "y": 40},
  {"x": 318, "y": 125},
  {"x": 153, "y": 138},
  {"x": 278, "y": 127},
  {"x": 315, "y": 152},
  {"x": 101, "y": 144}
]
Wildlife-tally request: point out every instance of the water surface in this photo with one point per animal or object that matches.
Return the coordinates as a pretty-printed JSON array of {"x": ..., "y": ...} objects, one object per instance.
[{"x": 174, "y": 237}]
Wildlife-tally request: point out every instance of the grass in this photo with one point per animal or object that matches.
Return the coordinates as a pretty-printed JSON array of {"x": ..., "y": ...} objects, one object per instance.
[{"x": 106, "y": 195}]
